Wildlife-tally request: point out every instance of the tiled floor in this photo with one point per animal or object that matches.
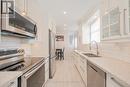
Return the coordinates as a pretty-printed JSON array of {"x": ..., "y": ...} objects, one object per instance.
[{"x": 66, "y": 75}]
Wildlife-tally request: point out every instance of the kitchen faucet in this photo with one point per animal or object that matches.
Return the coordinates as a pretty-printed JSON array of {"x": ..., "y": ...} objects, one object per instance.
[{"x": 97, "y": 48}]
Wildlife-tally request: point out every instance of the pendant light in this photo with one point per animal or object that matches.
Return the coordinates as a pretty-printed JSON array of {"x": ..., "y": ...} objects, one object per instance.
[{"x": 24, "y": 10}]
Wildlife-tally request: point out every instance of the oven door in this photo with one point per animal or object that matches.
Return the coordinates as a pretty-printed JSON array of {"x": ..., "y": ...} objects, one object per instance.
[{"x": 34, "y": 77}]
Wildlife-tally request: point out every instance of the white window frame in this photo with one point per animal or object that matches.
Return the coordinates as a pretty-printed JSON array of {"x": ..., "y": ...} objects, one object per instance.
[
  {"x": 88, "y": 24},
  {"x": 96, "y": 19}
]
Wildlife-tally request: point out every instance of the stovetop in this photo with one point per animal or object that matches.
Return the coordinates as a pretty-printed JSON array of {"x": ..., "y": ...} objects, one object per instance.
[
  {"x": 14, "y": 60},
  {"x": 23, "y": 65},
  {"x": 17, "y": 67}
]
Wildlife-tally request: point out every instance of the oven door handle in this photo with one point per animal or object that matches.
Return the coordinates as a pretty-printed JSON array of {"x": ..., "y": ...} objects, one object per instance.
[{"x": 33, "y": 71}]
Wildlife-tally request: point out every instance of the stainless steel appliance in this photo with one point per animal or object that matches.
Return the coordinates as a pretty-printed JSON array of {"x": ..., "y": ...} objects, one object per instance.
[
  {"x": 95, "y": 76},
  {"x": 33, "y": 68},
  {"x": 52, "y": 56},
  {"x": 13, "y": 23},
  {"x": 0, "y": 17},
  {"x": 35, "y": 77}
]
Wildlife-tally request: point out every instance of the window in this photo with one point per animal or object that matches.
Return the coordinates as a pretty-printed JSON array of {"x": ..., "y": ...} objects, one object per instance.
[
  {"x": 91, "y": 29},
  {"x": 71, "y": 39},
  {"x": 85, "y": 34},
  {"x": 95, "y": 30}
]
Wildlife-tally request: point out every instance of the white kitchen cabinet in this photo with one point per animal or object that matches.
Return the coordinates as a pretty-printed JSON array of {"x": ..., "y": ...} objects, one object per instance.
[
  {"x": 46, "y": 65},
  {"x": 81, "y": 64},
  {"x": 115, "y": 22},
  {"x": 46, "y": 76},
  {"x": 107, "y": 5},
  {"x": 124, "y": 16},
  {"x": 46, "y": 70},
  {"x": 112, "y": 82},
  {"x": 19, "y": 5},
  {"x": 111, "y": 24},
  {"x": 83, "y": 69},
  {"x": 76, "y": 60},
  {"x": 127, "y": 18},
  {"x": 115, "y": 19},
  {"x": 12, "y": 84}
]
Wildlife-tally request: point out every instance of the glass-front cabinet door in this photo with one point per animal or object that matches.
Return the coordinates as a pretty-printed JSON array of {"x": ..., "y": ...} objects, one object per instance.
[
  {"x": 105, "y": 26},
  {"x": 116, "y": 20},
  {"x": 111, "y": 24}
]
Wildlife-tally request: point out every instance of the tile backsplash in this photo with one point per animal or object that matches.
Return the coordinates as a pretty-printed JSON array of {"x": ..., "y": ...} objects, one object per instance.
[
  {"x": 8, "y": 42},
  {"x": 120, "y": 50}
]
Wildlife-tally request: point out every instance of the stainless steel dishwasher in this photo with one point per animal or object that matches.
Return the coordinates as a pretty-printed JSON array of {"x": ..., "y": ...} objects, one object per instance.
[{"x": 95, "y": 76}]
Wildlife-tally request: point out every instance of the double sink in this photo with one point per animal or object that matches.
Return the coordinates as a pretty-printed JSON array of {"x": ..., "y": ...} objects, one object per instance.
[{"x": 91, "y": 55}]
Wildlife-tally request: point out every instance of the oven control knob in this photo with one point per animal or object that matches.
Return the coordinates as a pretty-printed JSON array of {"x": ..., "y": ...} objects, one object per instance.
[{"x": 20, "y": 50}]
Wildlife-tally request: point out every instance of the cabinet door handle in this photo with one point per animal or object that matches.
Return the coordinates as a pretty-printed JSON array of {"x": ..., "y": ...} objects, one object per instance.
[
  {"x": 113, "y": 79},
  {"x": 124, "y": 15}
]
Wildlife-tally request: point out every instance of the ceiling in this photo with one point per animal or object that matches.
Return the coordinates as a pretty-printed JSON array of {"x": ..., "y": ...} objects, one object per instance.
[{"x": 75, "y": 10}]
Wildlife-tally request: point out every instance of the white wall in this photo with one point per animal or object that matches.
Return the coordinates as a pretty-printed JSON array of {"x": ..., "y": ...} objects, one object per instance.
[{"x": 40, "y": 45}]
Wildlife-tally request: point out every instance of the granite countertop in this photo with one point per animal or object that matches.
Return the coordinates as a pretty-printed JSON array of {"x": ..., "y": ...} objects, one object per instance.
[
  {"x": 117, "y": 68},
  {"x": 7, "y": 77}
]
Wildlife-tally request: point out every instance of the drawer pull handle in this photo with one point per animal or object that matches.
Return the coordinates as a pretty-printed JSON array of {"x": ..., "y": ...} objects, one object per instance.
[
  {"x": 93, "y": 68},
  {"x": 124, "y": 14},
  {"x": 113, "y": 79}
]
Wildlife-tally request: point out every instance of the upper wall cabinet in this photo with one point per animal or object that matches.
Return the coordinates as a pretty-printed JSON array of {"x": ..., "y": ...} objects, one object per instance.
[
  {"x": 19, "y": 4},
  {"x": 111, "y": 24},
  {"x": 22, "y": 6},
  {"x": 115, "y": 21}
]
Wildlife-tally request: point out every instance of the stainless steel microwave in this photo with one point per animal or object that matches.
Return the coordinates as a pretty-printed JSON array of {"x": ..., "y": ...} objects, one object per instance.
[{"x": 17, "y": 25}]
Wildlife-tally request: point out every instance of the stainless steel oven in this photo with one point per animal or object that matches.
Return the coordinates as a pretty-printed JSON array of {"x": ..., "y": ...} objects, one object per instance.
[
  {"x": 35, "y": 77},
  {"x": 32, "y": 68}
]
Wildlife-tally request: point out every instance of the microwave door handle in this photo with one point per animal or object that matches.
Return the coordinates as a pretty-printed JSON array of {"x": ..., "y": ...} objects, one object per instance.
[
  {"x": 33, "y": 71},
  {"x": 35, "y": 29}
]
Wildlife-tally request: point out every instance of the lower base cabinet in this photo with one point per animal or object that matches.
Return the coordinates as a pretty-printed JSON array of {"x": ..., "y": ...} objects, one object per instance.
[
  {"x": 81, "y": 64},
  {"x": 112, "y": 82},
  {"x": 46, "y": 76},
  {"x": 46, "y": 70}
]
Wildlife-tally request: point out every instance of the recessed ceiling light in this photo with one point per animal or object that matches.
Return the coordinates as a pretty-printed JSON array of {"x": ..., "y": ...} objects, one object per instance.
[{"x": 65, "y": 12}]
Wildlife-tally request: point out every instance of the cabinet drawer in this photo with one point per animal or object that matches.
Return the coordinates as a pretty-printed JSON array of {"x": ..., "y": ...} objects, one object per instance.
[
  {"x": 47, "y": 65},
  {"x": 85, "y": 78},
  {"x": 113, "y": 82},
  {"x": 46, "y": 76},
  {"x": 83, "y": 62}
]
